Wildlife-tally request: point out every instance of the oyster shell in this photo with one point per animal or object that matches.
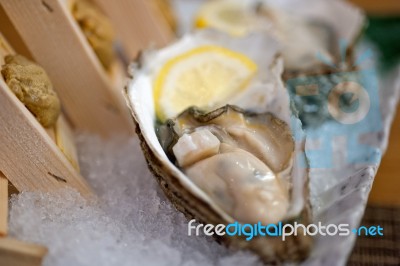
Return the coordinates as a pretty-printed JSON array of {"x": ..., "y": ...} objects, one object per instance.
[
  {"x": 312, "y": 40},
  {"x": 236, "y": 135}
]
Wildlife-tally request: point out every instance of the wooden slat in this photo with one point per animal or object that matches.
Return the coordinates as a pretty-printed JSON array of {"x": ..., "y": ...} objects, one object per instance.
[
  {"x": 17, "y": 253},
  {"x": 12, "y": 190},
  {"x": 138, "y": 23},
  {"x": 379, "y": 8},
  {"x": 29, "y": 158},
  {"x": 51, "y": 132},
  {"x": 64, "y": 139},
  {"x": 9, "y": 33},
  {"x": 56, "y": 42},
  {"x": 5, "y": 48},
  {"x": 3, "y": 205}
]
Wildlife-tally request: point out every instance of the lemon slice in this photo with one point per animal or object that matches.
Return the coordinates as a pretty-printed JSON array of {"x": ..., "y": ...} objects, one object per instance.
[
  {"x": 205, "y": 76},
  {"x": 227, "y": 16}
]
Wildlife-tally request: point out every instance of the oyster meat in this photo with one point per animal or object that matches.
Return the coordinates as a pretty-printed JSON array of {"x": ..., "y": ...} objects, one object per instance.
[{"x": 240, "y": 160}]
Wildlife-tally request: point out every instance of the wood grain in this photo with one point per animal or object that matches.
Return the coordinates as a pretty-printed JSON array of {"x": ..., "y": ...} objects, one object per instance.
[
  {"x": 29, "y": 158},
  {"x": 64, "y": 138},
  {"x": 9, "y": 32},
  {"x": 17, "y": 253},
  {"x": 3, "y": 205},
  {"x": 56, "y": 42},
  {"x": 138, "y": 23}
]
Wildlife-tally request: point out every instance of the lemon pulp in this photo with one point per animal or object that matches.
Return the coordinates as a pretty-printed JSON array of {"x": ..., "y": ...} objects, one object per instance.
[{"x": 205, "y": 77}]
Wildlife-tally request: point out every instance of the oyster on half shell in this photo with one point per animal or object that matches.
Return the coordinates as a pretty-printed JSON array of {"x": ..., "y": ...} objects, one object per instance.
[
  {"x": 315, "y": 36},
  {"x": 236, "y": 161}
]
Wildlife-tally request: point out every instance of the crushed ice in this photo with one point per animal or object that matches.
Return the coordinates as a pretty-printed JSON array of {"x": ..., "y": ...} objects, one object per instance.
[{"x": 131, "y": 223}]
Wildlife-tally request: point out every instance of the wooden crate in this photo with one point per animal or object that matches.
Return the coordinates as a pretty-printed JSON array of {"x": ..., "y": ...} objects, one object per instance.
[
  {"x": 29, "y": 156},
  {"x": 139, "y": 24},
  {"x": 17, "y": 253},
  {"x": 31, "y": 160},
  {"x": 3, "y": 205},
  {"x": 91, "y": 96}
]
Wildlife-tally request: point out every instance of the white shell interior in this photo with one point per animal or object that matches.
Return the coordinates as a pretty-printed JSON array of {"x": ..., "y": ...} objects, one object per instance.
[{"x": 267, "y": 83}]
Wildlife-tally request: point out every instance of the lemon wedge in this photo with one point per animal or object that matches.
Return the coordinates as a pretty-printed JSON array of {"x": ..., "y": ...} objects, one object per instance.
[
  {"x": 205, "y": 77},
  {"x": 227, "y": 16}
]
